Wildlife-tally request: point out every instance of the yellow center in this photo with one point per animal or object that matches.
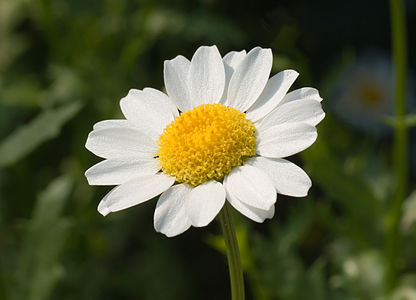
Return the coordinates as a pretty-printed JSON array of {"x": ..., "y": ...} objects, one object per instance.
[
  {"x": 205, "y": 143},
  {"x": 371, "y": 94}
]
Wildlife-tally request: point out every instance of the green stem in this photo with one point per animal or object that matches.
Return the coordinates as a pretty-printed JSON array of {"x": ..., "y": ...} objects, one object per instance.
[
  {"x": 400, "y": 150},
  {"x": 233, "y": 254}
]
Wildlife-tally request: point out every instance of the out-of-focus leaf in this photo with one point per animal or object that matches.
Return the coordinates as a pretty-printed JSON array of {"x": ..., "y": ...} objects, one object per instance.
[
  {"x": 66, "y": 86},
  {"x": 409, "y": 120},
  {"x": 363, "y": 211},
  {"x": 279, "y": 270},
  {"x": 26, "y": 138},
  {"x": 198, "y": 25},
  {"x": 25, "y": 92},
  {"x": 39, "y": 269},
  {"x": 362, "y": 275},
  {"x": 10, "y": 44},
  {"x": 217, "y": 242},
  {"x": 406, "y": 288}
]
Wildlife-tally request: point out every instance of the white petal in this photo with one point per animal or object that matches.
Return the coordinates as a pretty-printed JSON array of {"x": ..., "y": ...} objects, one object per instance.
[
  {"x": 117, "y": 171},
  {"x": 204, "y": 203},
  {"x": 285, "y": 139},
  {"x": 255, "y": 214},
  {"x": 163, "y": 98},
  {"x": 120, "y": 143},
  {"x": 249, "y": 79},
  {"x": 299, "y": 111},
  {"x": 302, "y": 93},
  {"x": 148, "y": 112},
  {"x": 135, "y": 191},
  {"x": 206, "y": 76},
  {"x": 231, "y": 61},
  {"x": 276, "y": 88},
  {"x": 251, "y": 186},
  {"x": 113, "y": 123},
  {"x": 288, "y": 178},
  {"x": 170, "y": 216},
  {"x": 176, "y": 81}
]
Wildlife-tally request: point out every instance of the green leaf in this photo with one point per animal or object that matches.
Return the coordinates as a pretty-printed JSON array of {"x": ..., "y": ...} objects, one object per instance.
[
  {"x": 408, "y": 121},
  {"x": 27, "y": 138},
  {"x": 39, "y": 268},
  {"x": 22, "y": 92}
]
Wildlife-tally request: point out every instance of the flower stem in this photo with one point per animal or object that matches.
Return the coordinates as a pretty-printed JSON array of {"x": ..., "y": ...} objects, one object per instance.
[
  {"x": 233, "y": 254},
  {"x": 400, "y": 150}
]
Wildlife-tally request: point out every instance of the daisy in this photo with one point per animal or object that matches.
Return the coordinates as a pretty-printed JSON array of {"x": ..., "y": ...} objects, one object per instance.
[
  {"x": 219, "y": 134},
  {"x": 364, "y": 94}
]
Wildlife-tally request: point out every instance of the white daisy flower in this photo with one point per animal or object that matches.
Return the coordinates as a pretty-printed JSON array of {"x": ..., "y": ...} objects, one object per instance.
[
  {"x": 228, "y": 143},
  {"x": 364, "y": 93}
]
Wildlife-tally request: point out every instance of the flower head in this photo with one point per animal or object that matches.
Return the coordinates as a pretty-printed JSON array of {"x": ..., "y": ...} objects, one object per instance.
[
  {"x": 228, "y": 143},
  {"x": 364, "y": 93}
]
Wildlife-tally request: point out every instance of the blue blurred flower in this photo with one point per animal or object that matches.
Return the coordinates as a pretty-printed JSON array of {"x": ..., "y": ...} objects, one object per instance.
[{"x": 365, "y": 93}]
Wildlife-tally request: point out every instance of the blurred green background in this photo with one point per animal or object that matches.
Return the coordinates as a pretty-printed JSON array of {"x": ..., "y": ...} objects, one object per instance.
[{"x": 64, "y": 65}]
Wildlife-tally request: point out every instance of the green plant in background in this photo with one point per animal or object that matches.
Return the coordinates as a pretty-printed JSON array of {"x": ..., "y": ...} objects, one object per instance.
[
  {"x": 38, "y": 268},
  {"x": 62, "y": 65},
  {"x": 400, "y": 149},
  {"x": 44, "y": 127}
]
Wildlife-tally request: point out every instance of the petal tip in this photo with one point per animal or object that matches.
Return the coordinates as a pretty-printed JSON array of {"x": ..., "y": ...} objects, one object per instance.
[
  {"x": 88, "y": 142},
  {"x": 293, "y": 72},
  {"x": 169, "y": 235},
  {"x": 87, "y": 176},
  {"x": 321, "y": 117},
  {"x": 103, "y": 209}
]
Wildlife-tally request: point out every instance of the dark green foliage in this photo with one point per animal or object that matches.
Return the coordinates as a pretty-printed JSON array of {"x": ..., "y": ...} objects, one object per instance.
[{"x": 64, "y": 65}]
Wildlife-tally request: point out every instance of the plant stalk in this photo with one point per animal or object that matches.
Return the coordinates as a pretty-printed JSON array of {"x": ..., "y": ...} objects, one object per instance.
[
  {"x": 400, "y": 147},
  {"x": 233, "y": 254}
]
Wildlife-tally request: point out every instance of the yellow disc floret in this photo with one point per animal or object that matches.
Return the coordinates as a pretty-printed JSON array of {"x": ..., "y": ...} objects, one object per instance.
[{"x": 205, "y": 143}]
